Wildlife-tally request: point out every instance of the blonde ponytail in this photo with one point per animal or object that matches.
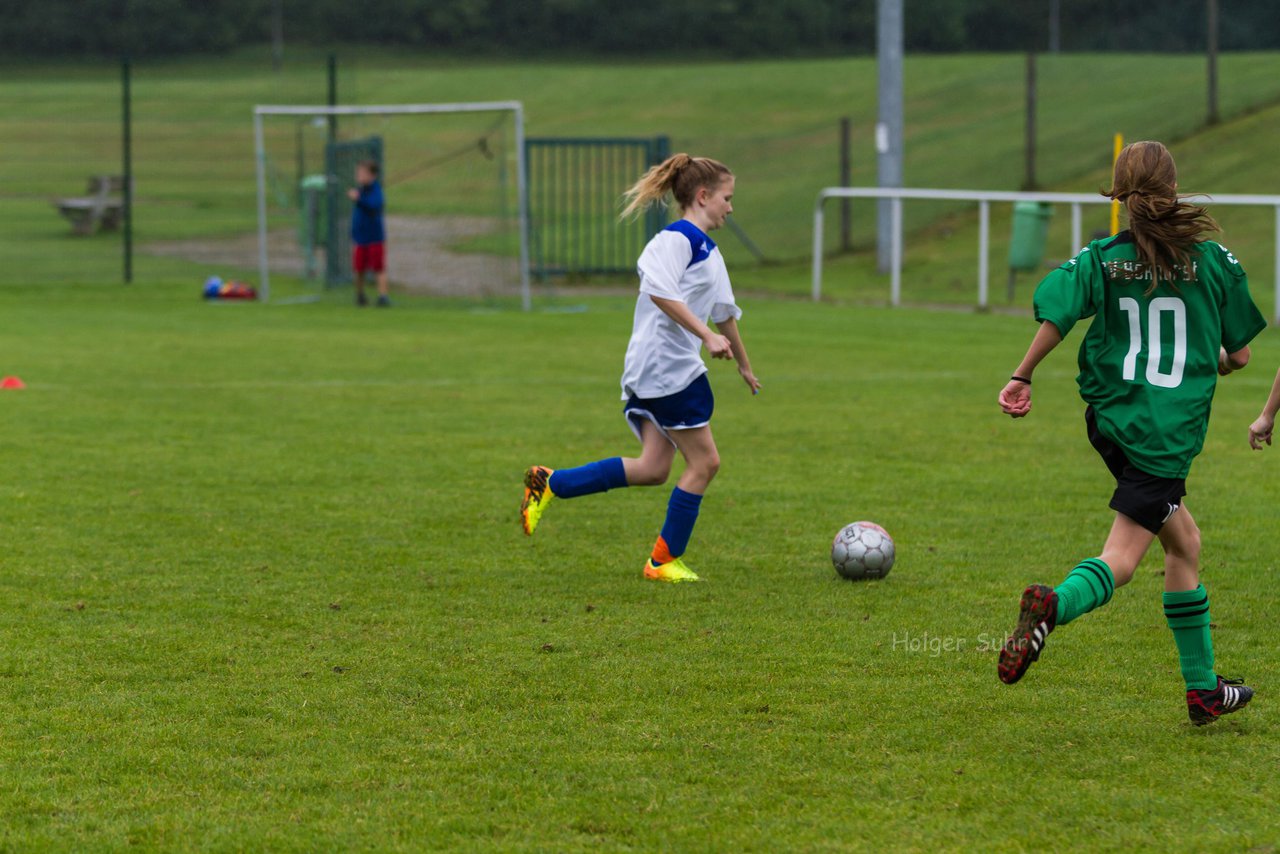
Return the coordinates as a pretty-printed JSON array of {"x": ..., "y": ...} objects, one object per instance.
[
  {"x": 1165, "y": 228},
  {"x": 680, "y": 176}
]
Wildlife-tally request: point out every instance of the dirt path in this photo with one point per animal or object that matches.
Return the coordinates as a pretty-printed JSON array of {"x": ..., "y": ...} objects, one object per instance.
[{"x": 418, "y": 258}]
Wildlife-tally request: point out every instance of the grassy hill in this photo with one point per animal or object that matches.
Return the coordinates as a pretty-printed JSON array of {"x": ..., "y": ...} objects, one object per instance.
[
  {"x": 774, "y": 122},
  {"x": 940, "y": 264}
]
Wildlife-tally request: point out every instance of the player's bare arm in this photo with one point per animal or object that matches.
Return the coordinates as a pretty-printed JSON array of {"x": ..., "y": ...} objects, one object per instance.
[
  {"x": 1260, "y": 430},
  {"x": 1015, "y": 398},
  {"x": 729, "y": 329},
  {"x": 1229, "y": 363},
  {"x": 717, "y": 345}
]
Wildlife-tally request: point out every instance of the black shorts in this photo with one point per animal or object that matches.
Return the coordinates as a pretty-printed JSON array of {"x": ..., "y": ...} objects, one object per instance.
[{"x": 1145, "y": 498}]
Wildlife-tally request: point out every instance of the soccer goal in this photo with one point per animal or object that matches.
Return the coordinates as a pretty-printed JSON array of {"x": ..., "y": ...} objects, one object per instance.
[{"x": 453, "y": 176}]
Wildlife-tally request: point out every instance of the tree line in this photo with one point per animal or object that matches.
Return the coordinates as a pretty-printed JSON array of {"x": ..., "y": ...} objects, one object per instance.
[{"x": 549, "y": 28}]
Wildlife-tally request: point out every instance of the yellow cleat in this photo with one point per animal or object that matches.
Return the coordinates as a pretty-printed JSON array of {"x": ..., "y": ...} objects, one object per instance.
[
  {"x": 537, "y": 495},
  {"x": 673, "y": 571}
]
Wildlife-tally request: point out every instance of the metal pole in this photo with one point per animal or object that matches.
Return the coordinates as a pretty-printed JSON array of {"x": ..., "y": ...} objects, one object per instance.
[
  {"x": 846, "y": 176},
  {"x": 817, "y": 248},
  {"x": 1029, "y": 182},
  {"x": 984, "y": 247},
  {"x": 1075, "y": 229},
  {"x": 127, "y": 166},
  {"x": 1055, "y": 26},
  {"x": 889, "y": 126},
  {"x": 522, "y": 191},
  {"x": 1116, "y": 148},
  {"x": 333, "y": 96},
  {"x": 260, "y": 161},
  {"x": 1213, "y": 61},
  {"x": 895, "y": 215}
]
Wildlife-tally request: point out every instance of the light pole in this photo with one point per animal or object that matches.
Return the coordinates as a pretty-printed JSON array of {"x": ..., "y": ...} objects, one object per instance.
[{"x": 889, "y": 124}]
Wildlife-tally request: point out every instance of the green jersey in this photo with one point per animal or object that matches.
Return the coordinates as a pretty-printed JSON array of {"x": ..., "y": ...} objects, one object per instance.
[{"x": 1149, "y": 362}]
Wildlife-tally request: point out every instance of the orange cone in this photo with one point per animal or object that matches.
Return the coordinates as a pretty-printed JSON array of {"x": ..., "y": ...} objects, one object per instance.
[{"x": 12, "y": 382}]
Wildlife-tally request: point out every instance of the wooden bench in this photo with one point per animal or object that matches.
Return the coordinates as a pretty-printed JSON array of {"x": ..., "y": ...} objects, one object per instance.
[{"x": 101, "y": 208}]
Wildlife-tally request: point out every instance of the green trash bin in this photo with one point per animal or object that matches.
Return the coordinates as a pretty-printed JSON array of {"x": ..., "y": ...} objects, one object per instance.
[
  {"x": 313, "y": 224},
  {"x": 1026, "y": 246}
]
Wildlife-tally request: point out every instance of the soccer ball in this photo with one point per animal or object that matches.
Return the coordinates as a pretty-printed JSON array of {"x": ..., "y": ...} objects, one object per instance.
[{"x": 862, "y": 550}]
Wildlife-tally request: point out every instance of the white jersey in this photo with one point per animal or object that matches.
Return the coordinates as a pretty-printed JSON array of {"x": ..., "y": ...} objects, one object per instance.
[{"x": 680, "y": 263}]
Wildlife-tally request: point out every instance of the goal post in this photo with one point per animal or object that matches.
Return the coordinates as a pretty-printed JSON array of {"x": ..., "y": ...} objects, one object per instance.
[{"x": 515, "y": 108}]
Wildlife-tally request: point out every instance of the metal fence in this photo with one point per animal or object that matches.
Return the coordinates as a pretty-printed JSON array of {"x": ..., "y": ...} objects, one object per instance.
[
  {"x": 575, "y": 189},
  {"x": 984, "y": 198},
  {"x": 340, "y": 159},
  {"x": 515, "y": 108}
]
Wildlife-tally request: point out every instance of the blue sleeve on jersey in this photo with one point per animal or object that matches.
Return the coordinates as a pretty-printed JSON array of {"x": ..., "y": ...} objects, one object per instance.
[{"x": 699, "y": 242}]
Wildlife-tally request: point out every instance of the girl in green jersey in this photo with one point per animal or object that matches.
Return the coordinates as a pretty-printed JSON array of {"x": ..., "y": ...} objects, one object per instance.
[{"x": 1171, "y": 312}]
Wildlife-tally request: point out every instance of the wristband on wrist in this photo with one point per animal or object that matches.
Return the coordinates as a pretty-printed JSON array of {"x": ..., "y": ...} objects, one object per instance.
[{"x": 1019, "y": 379}]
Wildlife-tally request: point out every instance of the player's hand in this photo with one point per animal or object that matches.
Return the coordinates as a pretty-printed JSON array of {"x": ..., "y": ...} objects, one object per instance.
[
  {"x": 750, "y": 379},
  {"x": 1015, "y": 399},
  {"x": 353, "y": 194},
  {"x": 1260, "y": 431},
  {"x": 718, "y": 346},
  {"x": 1224, "y": 364}
]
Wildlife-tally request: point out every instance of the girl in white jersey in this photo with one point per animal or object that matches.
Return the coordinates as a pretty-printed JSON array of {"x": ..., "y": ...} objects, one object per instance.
[{"x": 683, "y": 285}]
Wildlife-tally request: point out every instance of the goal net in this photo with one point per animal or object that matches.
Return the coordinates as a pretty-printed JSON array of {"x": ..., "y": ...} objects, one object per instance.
[{"x": 454, "y": 185}]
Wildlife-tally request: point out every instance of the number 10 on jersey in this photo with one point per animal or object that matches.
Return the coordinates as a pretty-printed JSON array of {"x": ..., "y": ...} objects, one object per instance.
[{"x": 1155, "y": 353}]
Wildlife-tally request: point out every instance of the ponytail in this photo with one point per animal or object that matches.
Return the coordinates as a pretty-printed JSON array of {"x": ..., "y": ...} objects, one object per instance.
[
  {"x": 1165, "y": 228},
  {"x": 679, "y": 175}
]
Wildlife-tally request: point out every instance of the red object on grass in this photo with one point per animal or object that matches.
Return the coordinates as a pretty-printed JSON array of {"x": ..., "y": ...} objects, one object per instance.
[
  {"x": 237, "y": 290},
  {"x": 12, "y": 382}
]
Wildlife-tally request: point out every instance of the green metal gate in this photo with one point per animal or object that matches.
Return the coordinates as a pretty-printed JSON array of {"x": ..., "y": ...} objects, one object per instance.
[
  {"x": 340, "y": 159},
  {"x": 575, "y": 191}
]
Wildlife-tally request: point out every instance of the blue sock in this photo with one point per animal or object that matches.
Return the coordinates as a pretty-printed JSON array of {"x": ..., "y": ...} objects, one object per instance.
[
  {"x": 682, "y": 513},
  {"x": 585, "y": 480}
]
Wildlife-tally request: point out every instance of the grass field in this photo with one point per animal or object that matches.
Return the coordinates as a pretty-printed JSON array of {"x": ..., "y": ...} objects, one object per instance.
[
  {"x": 265, "y": 589},
  {"x": 775, "y": 122}
]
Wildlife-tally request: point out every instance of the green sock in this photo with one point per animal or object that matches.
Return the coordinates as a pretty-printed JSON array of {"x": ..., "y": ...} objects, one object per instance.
[
  {"x": 1188, "y": 614},
  {"x": 1086, "y": 587}
]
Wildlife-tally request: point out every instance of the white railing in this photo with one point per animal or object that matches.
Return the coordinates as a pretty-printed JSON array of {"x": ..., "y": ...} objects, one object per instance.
[{"x": 984, "y": 198}]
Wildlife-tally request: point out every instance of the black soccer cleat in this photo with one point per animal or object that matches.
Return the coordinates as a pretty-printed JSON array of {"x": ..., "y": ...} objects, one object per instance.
[
  {"x": 1205, "y": 707},
  {"x": 1037, "y": 615},
  {"x": 361, "y": 299}
]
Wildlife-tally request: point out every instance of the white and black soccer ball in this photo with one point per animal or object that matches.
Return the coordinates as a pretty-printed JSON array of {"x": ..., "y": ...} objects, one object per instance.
[{"x": 862, "y": 550}]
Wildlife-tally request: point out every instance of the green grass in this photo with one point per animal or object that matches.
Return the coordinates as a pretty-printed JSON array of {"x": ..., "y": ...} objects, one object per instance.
[
  {"x": 775, "y": 122},
  {"x": 265, "y": 586},
  {"x": 265, "y": 589}
]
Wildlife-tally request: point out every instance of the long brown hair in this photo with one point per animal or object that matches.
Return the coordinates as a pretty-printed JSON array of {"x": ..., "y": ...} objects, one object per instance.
[
  {"x": 1164, "y": 226},
  {"x": 680, "y": 175}
]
